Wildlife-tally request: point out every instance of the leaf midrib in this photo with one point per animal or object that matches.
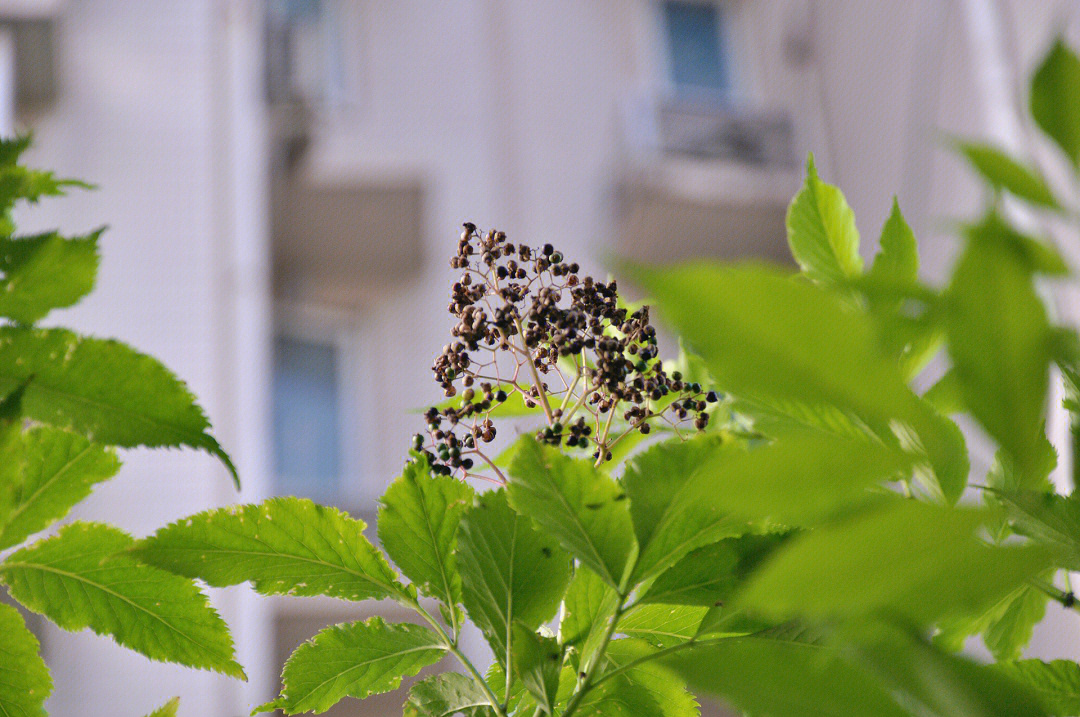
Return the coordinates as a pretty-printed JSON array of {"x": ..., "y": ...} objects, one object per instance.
[
  {"x": 222, "y": 551},
  {"x": 79, "y": 578},
  {"x": 364, "y": 663},
  {"x": 33, "y": 497}
]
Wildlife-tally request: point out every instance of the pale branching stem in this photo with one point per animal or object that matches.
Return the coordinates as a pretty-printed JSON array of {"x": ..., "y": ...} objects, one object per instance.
[
  {"x": 535, "y": 375},
  {"x": 570, "y": 391},
  {"x": 491, "y": 464}
]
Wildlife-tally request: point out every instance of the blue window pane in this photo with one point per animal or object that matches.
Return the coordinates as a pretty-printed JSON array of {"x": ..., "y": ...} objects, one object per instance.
[
  {"x": 307, "y": 426},
  {"x": 694, "y": 45}
]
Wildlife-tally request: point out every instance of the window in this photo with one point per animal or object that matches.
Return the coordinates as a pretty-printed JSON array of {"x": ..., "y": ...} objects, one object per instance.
[
  {"x": 696, "y": 47},
  {"x": 305, "y": 54},
  {"x": 307, "y": 418}
]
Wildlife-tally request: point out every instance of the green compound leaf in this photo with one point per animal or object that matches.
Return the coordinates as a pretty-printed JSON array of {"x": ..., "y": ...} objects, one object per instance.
[
  {"x": 821, "y": 230},
  {"x": 897, "y": 262},
  {"x": 1055, "y": 683},
  {"x": 510, "y": 571},
  {"x": 1006, "y": 173},
  {"x": 1006, "y": 627},
  {"x": 167, "y": 710},
  {"x": 768, "y": 338},
  {"x": 669, "y": 697},
  {"x": 45, "y": 272},
  {"x": 708, "y": 576},
  {"x": 57, "y": 470},
  {"x": 284, "y": 546},
  {"x": 356, "y": 659},
  {"x": 999, "y": 340},
  {"x": 928, "y": 681},
  {"x": 1055, "y": 99},
  {"x": 588, "y": 608},
  {"x": 83, "y": 577},
  {"x": 799, "y": 479},
  {"x": 782, "y": 678},
  {"x": 71, "y": 382},
  {"x": 903, "y": 558},
  {"x": 577, "y": 504},
  {"x": 418, "y": 522},
  {"x": 673, "y": 511},
  {"x": 446, "y": 694},
  {"x": 662, "y": 625},
  {"x": 537, "y": 662},
  {"x": 1049, "y": 519},
  {"x": 24, "y": 679}
]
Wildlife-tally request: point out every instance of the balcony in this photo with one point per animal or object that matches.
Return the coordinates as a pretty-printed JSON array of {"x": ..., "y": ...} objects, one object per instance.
[
  {"x": 338, "y": 241},
  {"x": 699, "y": 179}
]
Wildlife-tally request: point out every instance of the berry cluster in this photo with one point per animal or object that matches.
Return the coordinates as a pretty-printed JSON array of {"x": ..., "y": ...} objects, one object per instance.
[{"x": 531, "y": 329}]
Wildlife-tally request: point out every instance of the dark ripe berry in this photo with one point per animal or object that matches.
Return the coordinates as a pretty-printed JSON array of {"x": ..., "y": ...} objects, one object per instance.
[
  {"x": 711, "y": 397},
  {"x": 529, "y": 308}
]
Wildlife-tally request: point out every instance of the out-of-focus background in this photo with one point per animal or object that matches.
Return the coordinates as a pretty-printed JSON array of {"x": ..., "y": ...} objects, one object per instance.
[{"x": 284, "y": 181}]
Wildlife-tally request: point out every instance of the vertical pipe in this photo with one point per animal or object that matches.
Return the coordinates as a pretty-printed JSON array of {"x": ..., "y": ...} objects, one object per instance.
[{"x": 7, "y": 80}]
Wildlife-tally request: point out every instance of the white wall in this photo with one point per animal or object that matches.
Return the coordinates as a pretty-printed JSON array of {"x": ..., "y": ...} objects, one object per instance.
[{"x": 143, "y": 113}]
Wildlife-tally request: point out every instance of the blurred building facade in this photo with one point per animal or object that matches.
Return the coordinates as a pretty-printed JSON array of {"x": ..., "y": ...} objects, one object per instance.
[{"x": 284, "y": 181}]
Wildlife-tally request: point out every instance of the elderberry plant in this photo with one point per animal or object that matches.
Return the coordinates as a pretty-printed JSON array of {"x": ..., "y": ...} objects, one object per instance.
[
  {"x": 66, "y": 402},
  {"x": 818, "y": 550},
  {"x": 532, "y": 331}
]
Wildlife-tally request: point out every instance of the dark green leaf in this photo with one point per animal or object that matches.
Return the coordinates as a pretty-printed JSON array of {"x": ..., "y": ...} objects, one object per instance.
[
  {"x": 1004, "y": 172},
  {"x": 782, "y": 678},
  {"x": 57, "y": 470},
  {"x": 931, "y": 682},
  {"x": 999, "y": 340},
  {"x": 537, "y": 661},
  {"x": 74, "y": 386},
  {"x": 903, "y": 558},
  {"x": 821, "y": 230},
  {"x": 667, "y": 691},
  {"x": 1056, "y": 683},
  {"x": 588, "y": 608},
  {"x": 766, "y": 337},
  {"x": 356, "y": 659},
  {"x": 418, "y": 522},
  {"x": 585, "y": 510},
  {"x": 1006, "y": 627},
  {"x": 83, "y": 577},
  {"x": 1050, "y": 520},
  {"x": 1055, "y": 99},
  {"x": 800, "y": 479},
  {"x": 708, "y": 575},
  {"x": 24, "y": 678},
  {"x": 674, "y": 507},
  {"x": 444, "y": 695},
  {"x": 509, "y": 570},
  {"x": 284, "y": 546}
]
